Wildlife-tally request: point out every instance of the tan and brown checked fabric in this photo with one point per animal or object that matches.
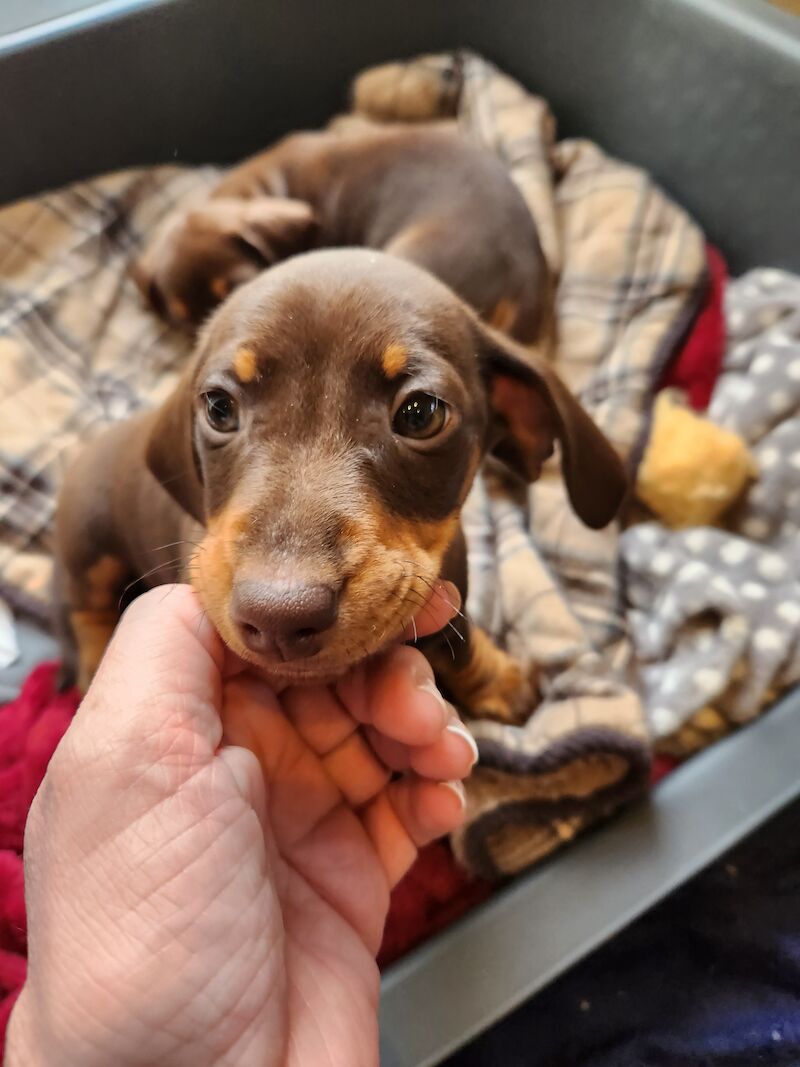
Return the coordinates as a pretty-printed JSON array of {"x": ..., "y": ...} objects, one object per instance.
[
  {"x": 77, "y": 349},
  {"x": 629, "y": 266}
]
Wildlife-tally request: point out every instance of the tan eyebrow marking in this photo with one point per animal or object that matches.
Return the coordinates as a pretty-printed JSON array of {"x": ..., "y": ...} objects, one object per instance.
[
  {"x": 245, "y": 364},
  {"x": 394, "y": 359}
]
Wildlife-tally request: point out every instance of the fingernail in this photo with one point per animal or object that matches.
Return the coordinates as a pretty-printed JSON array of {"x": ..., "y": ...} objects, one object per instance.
[
  {"x": 429, "y": 686},
  {"x": 457, "y": 787},
  {"x": 461, "y": 731}
]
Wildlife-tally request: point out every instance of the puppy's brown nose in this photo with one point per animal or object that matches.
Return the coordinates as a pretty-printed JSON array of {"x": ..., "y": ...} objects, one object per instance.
[{"x": 287, "y": 617}]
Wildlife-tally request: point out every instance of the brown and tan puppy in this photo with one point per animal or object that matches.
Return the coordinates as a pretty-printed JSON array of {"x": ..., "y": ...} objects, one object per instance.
[
  {"x": 424, "y": 193},
  {"x": 308, "y": 472}
]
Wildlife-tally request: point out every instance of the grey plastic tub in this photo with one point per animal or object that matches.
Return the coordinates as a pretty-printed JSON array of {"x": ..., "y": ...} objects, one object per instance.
[{"x": 705, "y": 93}]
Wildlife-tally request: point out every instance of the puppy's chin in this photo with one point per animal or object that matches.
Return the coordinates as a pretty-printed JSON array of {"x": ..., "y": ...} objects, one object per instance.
[
  {"x": 325, "y": 667},
  {"x": 282, "y": 675},
  {"x": 354, "y": 639}
]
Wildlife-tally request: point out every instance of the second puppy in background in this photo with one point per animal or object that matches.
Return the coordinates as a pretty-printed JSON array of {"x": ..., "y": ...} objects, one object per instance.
[{"x": 424, "y": 193}]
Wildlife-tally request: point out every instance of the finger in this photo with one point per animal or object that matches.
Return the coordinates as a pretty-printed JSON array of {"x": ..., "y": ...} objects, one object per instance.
[
  {"x": 397, "y": 695},
  {"x": 392, "y": 843},
  {"x": 442, "y": 604},
  {"x": 452, "y": 756},
  {"x": 300, "y": 792},
  {"x": 408, "y": 814},
  {"x": 356, "y": 770},
  {"x": 160, "y": 676},
  {"x": 393, "y": 754},
  {"x": 405, "y": 703},
  {"x": 354, "y": 689},
  {"x": 426, "y": 809},
  {"x": 355, "y": 766},
  {"x": 318, "y": 716}
]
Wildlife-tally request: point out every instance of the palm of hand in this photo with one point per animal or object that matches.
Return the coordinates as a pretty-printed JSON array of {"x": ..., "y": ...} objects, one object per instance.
[
  {"x": 340, "y": 833},
  {"x": 222, "y": 903}
]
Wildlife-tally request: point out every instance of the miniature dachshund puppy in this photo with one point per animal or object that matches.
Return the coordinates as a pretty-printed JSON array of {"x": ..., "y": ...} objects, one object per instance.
[
  {"x": 424, "y": 193},
  {"x": 307, "y": 474}
]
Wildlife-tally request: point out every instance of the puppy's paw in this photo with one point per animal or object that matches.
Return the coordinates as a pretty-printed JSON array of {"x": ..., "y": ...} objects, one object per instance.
[
  {"x": 509, "y": 697},
  {"x": 422, "y": 90},
  {"x": 488, "y": 683}
]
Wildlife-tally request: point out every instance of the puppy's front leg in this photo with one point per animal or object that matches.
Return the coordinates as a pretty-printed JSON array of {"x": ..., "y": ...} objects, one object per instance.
[
  {"x": 88, "y": 611},
  {"x": 482, "y": 681},
  {"x": 92, "y": 630}
]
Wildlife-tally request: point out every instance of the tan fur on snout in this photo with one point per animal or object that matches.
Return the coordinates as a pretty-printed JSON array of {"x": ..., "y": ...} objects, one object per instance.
[{"x": 386, "y": 564}]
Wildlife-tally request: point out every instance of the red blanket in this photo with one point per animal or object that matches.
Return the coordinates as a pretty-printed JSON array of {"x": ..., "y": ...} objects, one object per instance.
[
  {"x": 30, "y": 728},
  {"x": 696, "y": 367}
]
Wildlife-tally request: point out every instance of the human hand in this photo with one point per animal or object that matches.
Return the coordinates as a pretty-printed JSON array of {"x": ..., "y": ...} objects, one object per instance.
[{"x": 208, "y": 863}]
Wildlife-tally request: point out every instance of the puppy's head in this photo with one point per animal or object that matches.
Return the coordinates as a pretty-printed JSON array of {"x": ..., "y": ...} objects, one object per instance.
[
  {"x": 198, "y": 257},
  {"x": 326, "y": 434}
]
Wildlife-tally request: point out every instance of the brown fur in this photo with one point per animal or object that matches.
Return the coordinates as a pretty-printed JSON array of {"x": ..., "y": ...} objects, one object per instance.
[
  {"x": 424, "y": 193},
  {"x": 317, "y": 485}
]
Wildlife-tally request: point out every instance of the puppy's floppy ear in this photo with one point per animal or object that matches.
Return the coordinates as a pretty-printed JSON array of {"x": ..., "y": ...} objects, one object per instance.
[
  {"x": 274, "y": 227},
  {"x": 171, "y": 454},
  {"x": 532, "y": 408}
]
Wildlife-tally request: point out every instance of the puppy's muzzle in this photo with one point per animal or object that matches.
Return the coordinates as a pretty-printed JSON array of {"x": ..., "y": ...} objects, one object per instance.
[{"x": 283, "y": 620}]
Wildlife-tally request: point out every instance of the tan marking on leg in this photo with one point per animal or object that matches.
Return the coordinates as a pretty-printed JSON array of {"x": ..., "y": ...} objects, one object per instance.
[
  {"x": 98, "y": 594},
  {"x": 491, "y": 685},
  {"x": 93, "y": 630},
  {"x": 245, "y": 364},
  {"x": 394, "y": 359},
  {"x": 220, "y": 287},
  {"x": 103, "y": 580}
]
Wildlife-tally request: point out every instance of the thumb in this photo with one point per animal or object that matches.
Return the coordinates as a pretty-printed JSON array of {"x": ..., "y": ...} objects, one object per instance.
[{"x": 162, "y": 670}]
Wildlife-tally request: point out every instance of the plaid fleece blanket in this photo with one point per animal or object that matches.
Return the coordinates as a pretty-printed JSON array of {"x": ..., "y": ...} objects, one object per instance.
[
  {"x": 629, "y": 266},
  {"x": 715, "y": 613},
  {"x": 77, "y": 350}
]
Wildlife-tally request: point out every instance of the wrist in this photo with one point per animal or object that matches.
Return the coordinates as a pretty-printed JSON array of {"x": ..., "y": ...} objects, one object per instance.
[
  {"x": 32, "y": 1040},
  {"x": 22, "y": 1046}
]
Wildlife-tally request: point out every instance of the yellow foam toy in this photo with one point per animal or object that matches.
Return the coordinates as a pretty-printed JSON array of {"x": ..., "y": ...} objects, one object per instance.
[{"x": 692, "y": 470}]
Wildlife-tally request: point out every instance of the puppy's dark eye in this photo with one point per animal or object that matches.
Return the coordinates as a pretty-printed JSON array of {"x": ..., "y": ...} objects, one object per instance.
[
  {"x": 221, "y": 411},
  {"x": 421, "y": 415}
]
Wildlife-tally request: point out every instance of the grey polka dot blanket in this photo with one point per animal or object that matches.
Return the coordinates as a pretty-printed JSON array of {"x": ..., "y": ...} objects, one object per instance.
[{"x": 714, "y": 614}]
